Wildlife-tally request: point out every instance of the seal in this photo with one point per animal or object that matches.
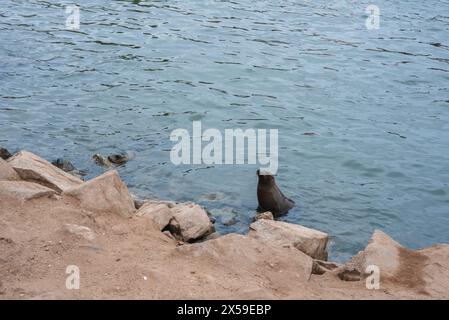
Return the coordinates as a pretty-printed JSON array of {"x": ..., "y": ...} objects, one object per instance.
[
  {"x": 119, "y": 159},
  {"x": 270, "y": 197}
]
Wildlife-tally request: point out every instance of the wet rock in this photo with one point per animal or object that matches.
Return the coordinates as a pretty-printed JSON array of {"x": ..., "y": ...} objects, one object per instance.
[
  {"x": 119, "y": 159},
  {"x": 80, "y": 231},
  {"x": 267, "y": 215},
  {"x": 160, "y": 213},
  {"x": 4, "y": 154},
  {"x": 101, "y": 161},
  {"x": 104, "y": 194},
  {"x": 33, "y": 168},
  {"x": 229, "y": 221},
  {"x": 64, "y": 164},
  {"x": 67, "y": 166},
  {"x": 311, "y": 242},
  {"x": 7, "y": 172},
  {"x": 23, "y": 190},
  {"x": 190, "y": 222}
]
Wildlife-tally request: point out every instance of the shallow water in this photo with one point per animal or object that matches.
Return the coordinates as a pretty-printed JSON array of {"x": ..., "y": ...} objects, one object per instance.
[{"x": 377, "y": 101}]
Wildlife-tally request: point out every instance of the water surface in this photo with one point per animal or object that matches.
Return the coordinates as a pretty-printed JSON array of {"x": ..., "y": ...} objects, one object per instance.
[{"x": 377, "y": 103}]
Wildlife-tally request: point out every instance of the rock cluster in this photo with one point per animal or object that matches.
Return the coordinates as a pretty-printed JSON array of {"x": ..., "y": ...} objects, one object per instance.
[{"x": 51, "y": 216}]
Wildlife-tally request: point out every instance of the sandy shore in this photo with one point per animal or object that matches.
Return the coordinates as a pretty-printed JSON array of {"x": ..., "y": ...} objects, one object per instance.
[{"x": 153, "y": 249}]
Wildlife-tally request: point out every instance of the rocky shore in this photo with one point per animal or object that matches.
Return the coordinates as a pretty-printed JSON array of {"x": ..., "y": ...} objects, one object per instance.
[{"x": 151, "y": 249}]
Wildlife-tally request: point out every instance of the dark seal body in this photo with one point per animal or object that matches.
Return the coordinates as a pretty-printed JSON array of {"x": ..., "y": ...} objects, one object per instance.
[{"x": 270, "y": 197}]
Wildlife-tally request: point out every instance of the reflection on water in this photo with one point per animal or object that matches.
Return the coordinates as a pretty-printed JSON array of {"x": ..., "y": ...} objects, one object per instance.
[{"x": 362, "y": 115}]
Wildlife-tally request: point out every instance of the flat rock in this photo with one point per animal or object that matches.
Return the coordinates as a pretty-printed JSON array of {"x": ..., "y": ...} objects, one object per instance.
[
  {"x": 311, "y": 242},
  {"x": 190, "y": 222},
  {"x": 245, "y": 255},
  {"x": 104, "y": 194},
  {"x": 160, "y": 213},
  {"x": 33, "y": 168},
  {"x": 23, "y": 190},
  {"x": 7, "y": 172},
  {"x": 80, "y": 231}
]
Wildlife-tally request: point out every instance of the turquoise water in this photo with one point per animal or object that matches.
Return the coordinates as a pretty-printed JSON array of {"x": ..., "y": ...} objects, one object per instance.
[{"x": 377, "y": 102}]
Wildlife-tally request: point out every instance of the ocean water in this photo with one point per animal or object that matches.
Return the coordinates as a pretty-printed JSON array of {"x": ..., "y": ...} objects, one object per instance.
[{"x": 376, "y": 101}]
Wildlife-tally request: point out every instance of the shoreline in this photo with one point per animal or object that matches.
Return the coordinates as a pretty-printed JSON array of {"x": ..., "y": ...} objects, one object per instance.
[{"x": 154, "y": 249}]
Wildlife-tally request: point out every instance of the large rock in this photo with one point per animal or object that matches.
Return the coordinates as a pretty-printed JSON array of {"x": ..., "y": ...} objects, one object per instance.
[
  {"x": 412, "y": 272},
  {"x": 245, "y": 256},
  {"x": 190, "y": 222},
  {"x": 23, "y": 190},
  {"x": 7, "y": 172},
  {"x": 104, "y": 194},
  {"x": 32, "y": 168},
  {"x": 160, "y": 213},
  {"x": 381, "y": 251},
  {"x": 311, "y": 242}
]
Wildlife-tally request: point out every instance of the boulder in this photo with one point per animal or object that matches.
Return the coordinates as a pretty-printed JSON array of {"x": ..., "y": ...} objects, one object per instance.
[
  {"x": 381, "y": 251},
  {"x": 311, "y": 242},
  {"x": 424, "y": 271},
  {"x": 32, "y": 168},
  {"x": 4, "y": 154},
  {"x": 23, "y": 190},
  {"x": 80, "y": 231},
  {"x": 244, "y": 255},
  {"x": 160, "y": 213},
  {"x": 7, "y": 172},
  {"x": 264, "y": 215},
  {"x": 190, "y": 222},
  {"x": 104, "y": 194}
]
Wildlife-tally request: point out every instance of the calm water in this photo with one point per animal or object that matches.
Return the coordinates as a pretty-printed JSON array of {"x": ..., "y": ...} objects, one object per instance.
[{"x": 377, "y": 101}]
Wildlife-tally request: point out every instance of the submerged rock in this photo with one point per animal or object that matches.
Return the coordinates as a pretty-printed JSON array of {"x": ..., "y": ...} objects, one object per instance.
[
  {"x": 120, "y": 159},
  {"x": 64, "y": 164},
  {"x": 106, "y": 193},
  {"x": 101, "y": 161},
  {"x": 33, "y": 168},
  {"x": 311, "y": 242},
  {"x": 67, "y": 166}
]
